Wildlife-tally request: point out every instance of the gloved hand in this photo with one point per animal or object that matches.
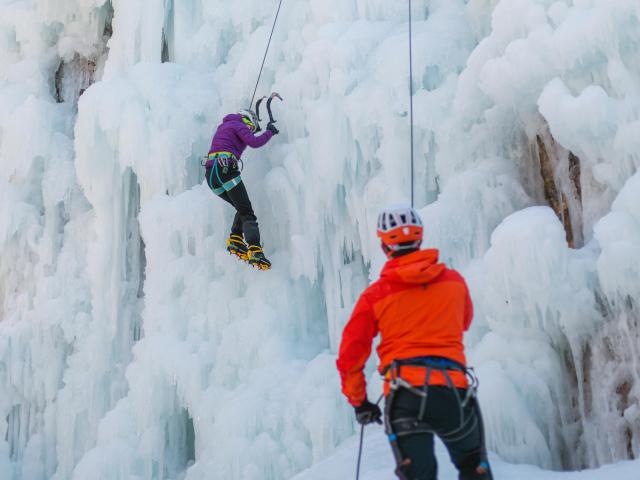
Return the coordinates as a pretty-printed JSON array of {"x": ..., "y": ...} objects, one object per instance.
[
  {"x": 272, "y": 128},
  {"x": 368, "y": 413}
]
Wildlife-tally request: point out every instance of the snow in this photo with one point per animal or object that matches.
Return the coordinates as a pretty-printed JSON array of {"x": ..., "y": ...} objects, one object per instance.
[
  {"x": 133, "y": 346},
  {"x": 377, "y": 462}
]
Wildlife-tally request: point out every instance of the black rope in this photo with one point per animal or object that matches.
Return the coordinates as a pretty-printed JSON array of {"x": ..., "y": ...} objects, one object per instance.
[
  {"x": 265, "y": 55},
  {"x": 411, "y": 100}
]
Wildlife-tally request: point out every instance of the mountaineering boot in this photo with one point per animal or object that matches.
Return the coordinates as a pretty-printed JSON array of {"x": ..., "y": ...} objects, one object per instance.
[
  {"x": 256, "y": 258},
  {"x": 237, "y": 247}
]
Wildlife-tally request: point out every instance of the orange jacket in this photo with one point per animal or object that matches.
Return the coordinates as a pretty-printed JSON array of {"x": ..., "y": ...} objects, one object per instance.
[{"x": 420, "y": 308}]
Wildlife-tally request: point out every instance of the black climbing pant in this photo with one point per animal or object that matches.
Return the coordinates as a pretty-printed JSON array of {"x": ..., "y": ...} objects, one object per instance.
[
  {"x": 442, "y": 415},
  {"x": 245, "y": 221}
]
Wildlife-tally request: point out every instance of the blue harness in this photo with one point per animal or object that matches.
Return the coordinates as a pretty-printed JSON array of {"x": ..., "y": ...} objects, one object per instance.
[{"x": 224, "y": 159}]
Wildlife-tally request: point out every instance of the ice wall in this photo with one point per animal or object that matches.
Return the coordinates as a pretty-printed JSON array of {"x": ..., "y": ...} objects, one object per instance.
[
  {"x": 552, "y": 82},
  {"x": 46, "y": 303},
  {"x": 132, "y": 346}
]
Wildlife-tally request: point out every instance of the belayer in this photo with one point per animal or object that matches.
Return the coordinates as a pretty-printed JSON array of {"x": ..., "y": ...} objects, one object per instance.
[
  {"x": 223, "y": 168},
  {"x": 421, "y": 309}
]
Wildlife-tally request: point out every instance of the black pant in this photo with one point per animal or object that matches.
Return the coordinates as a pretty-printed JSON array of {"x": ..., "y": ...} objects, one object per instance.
[
  {"x": 245, "y": 221},
  {"x": 442, "y": 416}
]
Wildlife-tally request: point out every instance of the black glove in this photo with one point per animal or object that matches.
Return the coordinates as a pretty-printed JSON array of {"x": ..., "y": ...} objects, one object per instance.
[
  {"x": 272, "y": 128},
  {"x": 368, "y": 413}
]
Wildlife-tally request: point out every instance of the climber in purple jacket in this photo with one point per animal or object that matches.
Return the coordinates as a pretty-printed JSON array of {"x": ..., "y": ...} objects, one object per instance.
[{"x": 223, "y": 169}]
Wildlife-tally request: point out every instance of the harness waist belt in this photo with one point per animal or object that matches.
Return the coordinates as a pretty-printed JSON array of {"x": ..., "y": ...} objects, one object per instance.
[
  {"x": 438, "y": 363},
  {"x": 224, "y": 159}
]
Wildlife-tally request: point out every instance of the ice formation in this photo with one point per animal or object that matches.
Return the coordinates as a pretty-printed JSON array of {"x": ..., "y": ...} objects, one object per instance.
[{"x": 132, "y": 346}]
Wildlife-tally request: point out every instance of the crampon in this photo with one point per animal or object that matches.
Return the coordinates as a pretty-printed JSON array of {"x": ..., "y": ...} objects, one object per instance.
[
  {"x": 237, "y": 247},
  {"x": 256, "y": 258}
]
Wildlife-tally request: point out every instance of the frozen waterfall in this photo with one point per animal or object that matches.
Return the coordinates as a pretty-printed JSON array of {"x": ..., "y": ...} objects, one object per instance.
[{"x": 133, "y": 347}]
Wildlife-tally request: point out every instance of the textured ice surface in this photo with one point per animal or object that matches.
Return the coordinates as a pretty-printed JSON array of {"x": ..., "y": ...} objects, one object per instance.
[{"x": 132, "y": 346}]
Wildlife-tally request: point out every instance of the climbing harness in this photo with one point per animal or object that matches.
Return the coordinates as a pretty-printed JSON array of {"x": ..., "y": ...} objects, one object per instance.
[
  {"x": 361, "y": 444},
  {"x": 265, "y": 54},
  {"x": 400, "y": 427},
  {"x": 270, "y": 99},
  {"x": 411, "y": 99},
  {"x": 225, "y": 161},
  {"x": 226, "y": 186}
]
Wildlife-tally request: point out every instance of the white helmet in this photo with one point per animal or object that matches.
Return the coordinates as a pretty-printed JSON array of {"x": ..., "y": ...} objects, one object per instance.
[
  {"x": 251, "y": 117},
  {"x": 400, "y": 228}
]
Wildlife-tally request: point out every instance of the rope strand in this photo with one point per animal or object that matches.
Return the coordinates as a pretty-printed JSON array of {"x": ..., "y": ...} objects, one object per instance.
[
  {"x": 411, "y": 99},
  {"x": 265, "y": 54}
]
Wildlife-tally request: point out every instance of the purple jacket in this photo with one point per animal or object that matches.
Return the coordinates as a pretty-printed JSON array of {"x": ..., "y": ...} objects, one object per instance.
[{"x": 233, "y": 136}]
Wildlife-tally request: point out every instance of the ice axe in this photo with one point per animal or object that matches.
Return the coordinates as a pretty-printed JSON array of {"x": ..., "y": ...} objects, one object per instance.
[
  {"x": 259, "y": 128},
  {"x": 270, "y": 99}
]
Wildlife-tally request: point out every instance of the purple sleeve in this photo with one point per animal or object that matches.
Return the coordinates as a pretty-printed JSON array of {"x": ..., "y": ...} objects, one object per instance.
[{"x": 250, "y": 139}]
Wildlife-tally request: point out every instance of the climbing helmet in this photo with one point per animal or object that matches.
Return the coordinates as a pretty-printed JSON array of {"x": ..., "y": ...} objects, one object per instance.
[
  {"x": 249, "y": 118},
  {"x": 400, "y": 227}
]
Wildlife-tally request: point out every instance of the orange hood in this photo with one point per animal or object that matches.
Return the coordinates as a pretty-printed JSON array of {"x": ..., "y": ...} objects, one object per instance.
[{"x": 418, "y": 267}]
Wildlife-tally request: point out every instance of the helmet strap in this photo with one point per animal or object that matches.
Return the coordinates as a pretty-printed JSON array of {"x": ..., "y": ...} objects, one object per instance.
[
  {"x": 387, "y": 251},
  {"x": 403, "y": 252},
  {"x": 394, "y": 251},
  {"x": 249, "y": 123}
]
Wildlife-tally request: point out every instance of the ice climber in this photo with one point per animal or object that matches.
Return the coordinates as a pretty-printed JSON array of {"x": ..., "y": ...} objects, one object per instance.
[
  {"x": 223, "y": 167},
  {"x": 421, "y": 309}
]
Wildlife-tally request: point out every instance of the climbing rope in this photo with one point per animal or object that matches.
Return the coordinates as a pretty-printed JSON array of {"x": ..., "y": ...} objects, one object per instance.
[
  {"x": 265, "y": 54},
  {"x": 411, "y": 100}
]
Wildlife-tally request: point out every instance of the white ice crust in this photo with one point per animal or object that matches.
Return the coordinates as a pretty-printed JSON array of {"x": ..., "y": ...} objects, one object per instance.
[{"x": 133, "y": 347}]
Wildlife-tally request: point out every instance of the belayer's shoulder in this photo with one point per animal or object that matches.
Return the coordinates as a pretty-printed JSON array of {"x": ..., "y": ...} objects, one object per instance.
[
  {"x": 379, "y": 288},
  {"x": 451, "y": 275}
]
